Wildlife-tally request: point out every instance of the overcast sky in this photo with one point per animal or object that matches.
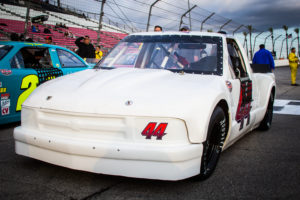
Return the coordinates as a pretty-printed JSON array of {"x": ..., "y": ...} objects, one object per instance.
[{"x": 259, "y": 13}]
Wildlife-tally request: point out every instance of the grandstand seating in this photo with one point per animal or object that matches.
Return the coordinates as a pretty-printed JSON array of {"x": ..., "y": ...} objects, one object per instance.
[{"x": 14, "y": 17}]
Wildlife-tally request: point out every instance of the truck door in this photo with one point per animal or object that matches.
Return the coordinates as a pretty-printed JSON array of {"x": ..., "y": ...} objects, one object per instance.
[{"x": 241, "y": 90}]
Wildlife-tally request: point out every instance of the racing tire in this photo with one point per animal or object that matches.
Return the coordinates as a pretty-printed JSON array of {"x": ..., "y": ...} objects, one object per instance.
[
  {"x": 267, "y": 121},
  {"x": 213, "y": 145}
]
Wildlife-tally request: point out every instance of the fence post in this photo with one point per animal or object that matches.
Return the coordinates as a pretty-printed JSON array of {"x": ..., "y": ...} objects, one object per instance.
[
  {"x": 266, "y": 39},
  {"x": 237, "y": 29},
  {"x": 190, "y": 15},
  {"x": 255, "y": 40},
  {"x": 275, "y": 40},
  {"x": 26, "y": 19},
  {"x": 281, "y": 47},
  {"x": 150, "y": 10},
  {"x": 189, "y": 10},
  {"x": 225, "y": 24},
  {"x": 206, "y": 20},
  {"x": 100, "y": 21}
]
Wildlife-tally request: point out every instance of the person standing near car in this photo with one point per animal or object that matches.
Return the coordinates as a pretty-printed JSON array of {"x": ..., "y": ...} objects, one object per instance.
[
  {"x": 293, "y": 62},
  {"x": 263, "y": 56},
  {"x": 85, "y": 48},
  {"x": 48, "y": 40},
  {"x": 98, "y": 53}
]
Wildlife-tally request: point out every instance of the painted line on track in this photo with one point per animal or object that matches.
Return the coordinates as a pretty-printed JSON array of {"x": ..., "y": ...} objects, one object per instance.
[{"x": 286, "y": 107}]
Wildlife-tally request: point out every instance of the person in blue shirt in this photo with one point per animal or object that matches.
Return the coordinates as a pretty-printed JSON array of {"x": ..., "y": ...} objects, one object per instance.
[{"x": 263, "y": 56}]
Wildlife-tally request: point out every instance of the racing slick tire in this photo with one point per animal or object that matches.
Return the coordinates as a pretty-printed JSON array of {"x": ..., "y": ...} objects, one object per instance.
[
  {"x": 267, "y": 121},
  {"x": 213, "y": 145}
]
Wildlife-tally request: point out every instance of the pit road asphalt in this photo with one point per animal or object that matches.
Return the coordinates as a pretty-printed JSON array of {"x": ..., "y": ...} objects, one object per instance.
[{"x": 261, "y": 165}]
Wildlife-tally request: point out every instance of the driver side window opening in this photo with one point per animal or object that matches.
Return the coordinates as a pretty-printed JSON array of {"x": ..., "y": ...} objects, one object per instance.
[
  {"x": 68, "y": 60},
  {"x": 31, "y": 57},
  {"x": 236, "y": 60}
]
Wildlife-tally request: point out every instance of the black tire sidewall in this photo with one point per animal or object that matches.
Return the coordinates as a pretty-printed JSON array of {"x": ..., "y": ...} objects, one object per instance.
[
  {"x": 217, "y": 117},
  {"x": 267, "y": 120}
]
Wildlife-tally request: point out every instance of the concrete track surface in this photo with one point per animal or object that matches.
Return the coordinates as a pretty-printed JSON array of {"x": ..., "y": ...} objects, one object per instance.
[{"x": 262, "y": 165}]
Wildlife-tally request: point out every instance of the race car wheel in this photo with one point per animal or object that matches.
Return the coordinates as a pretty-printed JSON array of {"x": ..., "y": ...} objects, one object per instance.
[
  {"x": 267, "y": 121},
  {"x": 212, "y": 147}
]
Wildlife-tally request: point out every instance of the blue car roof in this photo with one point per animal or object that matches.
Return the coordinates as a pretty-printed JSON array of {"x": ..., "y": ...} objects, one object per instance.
[{"x": 23, "y": 44}]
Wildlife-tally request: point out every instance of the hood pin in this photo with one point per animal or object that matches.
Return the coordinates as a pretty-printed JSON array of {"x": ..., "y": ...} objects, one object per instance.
[
  {"x": 128, "y": 103},
  {"x": 48, "y": 98}
]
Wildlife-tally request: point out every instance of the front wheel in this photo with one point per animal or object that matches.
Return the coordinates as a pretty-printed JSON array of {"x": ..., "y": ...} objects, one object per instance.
[
  {"x": 213, "y": 145},
  {"x": 267, "y": 121}
]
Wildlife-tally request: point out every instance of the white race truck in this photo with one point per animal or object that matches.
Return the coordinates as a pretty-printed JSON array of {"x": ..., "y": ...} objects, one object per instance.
[{"x": 158, "y": 106}]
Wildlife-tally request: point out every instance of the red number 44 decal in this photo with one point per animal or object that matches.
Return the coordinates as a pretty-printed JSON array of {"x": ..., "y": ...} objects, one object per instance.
[{"x": 152, "y": 130}]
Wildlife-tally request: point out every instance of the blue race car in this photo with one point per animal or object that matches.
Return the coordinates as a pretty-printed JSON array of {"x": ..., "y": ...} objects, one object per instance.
[{"x": 24, "y": 66}]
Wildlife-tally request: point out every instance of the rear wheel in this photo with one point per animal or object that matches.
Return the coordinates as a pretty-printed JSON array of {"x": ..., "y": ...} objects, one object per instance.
[
  {"x": 213, "y": 145},
  {"x": 267, "y": 121}
]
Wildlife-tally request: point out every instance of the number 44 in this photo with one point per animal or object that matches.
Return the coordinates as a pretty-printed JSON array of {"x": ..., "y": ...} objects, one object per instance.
[{"x": 152, "y": 130}]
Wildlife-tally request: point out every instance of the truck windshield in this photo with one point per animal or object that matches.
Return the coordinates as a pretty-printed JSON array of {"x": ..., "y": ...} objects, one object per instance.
[{"x": 191, "y": 54}]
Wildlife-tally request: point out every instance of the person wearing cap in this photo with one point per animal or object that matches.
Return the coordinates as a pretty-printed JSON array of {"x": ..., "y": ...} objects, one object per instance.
[
  {"x": 185, "y": 29},
  {"x": 157, "y": 28},
  {"x": 48, "y": 40},
  {"x": 85, "y": 48}
]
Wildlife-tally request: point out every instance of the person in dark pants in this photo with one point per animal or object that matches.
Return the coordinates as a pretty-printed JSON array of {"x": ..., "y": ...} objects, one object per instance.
[
  {"x": 293, "y": 62},
  {"x": 85, "y": 48},
  {"x": 263, "y": 56}
]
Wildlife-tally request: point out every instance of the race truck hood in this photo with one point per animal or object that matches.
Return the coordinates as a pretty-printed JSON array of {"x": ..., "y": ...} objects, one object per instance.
[
  {"x": 125, "y": 91},
  {"x": 131, "y": 92}
]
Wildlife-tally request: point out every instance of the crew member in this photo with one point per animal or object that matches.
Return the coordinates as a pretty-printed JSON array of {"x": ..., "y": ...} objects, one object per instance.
[
  {"x": 48, "y": 40},
  {"x": 293, "y": 61},
  {"x": 85, "y": 48},
  {"x": 263, "y": 56},
  {"x": 98, "y": 53}
]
